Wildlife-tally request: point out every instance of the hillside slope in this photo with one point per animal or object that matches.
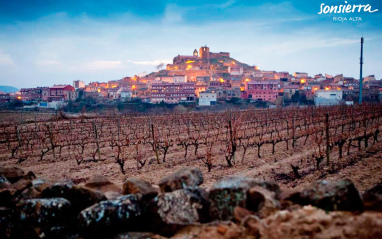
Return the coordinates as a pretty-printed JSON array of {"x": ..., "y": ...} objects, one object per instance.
[{"x": 8, "y": 89}]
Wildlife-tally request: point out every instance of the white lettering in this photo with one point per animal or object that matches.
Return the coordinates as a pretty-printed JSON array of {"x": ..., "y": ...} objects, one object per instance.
[
  {"x": 368, "y": 8},
  {"x": 333, "y": 9},
  {"x": 348, "y": 8},
  {"x": 360, "y": 7},
  {"x": 321, "y": 8},
  {"x": 326, "y": 9}
]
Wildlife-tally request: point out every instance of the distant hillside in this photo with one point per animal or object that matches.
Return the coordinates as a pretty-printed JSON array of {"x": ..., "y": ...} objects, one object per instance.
[{"x": 8, "y": 89}]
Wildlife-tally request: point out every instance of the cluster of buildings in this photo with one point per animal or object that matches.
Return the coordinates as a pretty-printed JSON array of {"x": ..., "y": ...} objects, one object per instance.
[{"x": 206, "y": 78}]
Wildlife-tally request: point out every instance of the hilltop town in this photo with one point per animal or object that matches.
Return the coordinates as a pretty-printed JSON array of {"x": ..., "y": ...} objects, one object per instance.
[{"x": 205, "y": 78}]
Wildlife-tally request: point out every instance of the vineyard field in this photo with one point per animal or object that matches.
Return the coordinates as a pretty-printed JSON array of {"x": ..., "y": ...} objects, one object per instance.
[{"x": 293, "y": 146}]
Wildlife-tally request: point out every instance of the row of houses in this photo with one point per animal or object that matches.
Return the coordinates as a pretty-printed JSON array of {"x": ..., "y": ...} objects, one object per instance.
[
  {"x": 49, "y": 94},
  {"x": 269, "y": 86}
]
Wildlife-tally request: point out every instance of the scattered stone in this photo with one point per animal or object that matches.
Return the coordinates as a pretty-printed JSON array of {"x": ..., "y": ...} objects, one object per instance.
[
  {"x": 181, "y": 179},
  {"x": 22, "y": 184},
  {"x": 222, "y": 230},
  {"x": 82, "y": 197},
  {"x": 97, "y": 180},
  {"x": 41, "y": 183},
  {"x": 4, "y": 183},
  {"x": 311, "y": 222},
  {"x": 13, "y": 174},
  {"x": 102, "y": 183},
  {"x": 133, "y": 185},
  {"x": 372, "y": 198},
  {"x": 112, "y": 195},
  {"x": 230, "y": 192},
  {"x": 122, "y": 213},
  {"x": 331, "y": 196},
  {"x": 30, "y": 175},
  {"x": 15, "y": 192},
  {"x": 30, "y": 193},
  {"x": 214, "y": 230},
  {"x": 377, "y": 189},
  {"x": 262, "y": 201},
  {"x": 182, "y": 207},
  {"x": 239, "y": 214},
  {"x": 171, "y": 211},
  {"x": 58, "y": 189},
  {"x": 43, "y": 211},
  {"x": 254, "y": 225},
  {"x": 286, "y": 200}
]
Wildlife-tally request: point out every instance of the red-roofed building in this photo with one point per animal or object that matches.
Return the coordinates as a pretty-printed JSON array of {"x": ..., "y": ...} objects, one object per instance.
[
  {"x": 113, "y": 93},
  {"x": 290, "y": 90},
  {"x": 300, "y": 75},
  {"x": 172, "y": 92},
  {"x": 220, "y": 84},
  {"x": 318, "y": 76},
  {"x": 59, "y": 93},
  {"x": 236, "y": 70},
  {"x": 200, "y": 88},
  {"x": 31, "y": 93},
  {"x": 261, "y": 90}
]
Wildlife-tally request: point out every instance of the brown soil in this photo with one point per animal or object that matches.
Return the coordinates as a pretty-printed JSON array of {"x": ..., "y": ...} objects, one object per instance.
[{"x": 364, "y": 169}]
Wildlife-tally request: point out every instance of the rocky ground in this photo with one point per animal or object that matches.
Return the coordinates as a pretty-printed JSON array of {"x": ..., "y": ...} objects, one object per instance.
[
  {"x": 180, "y": 206},
  {"x": 363, "y": 168}
]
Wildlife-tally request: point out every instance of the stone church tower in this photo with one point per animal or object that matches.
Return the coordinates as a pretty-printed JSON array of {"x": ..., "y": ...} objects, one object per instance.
[
  {"x": 204, "y": 52},
  {"x": 195, "y": 53}
]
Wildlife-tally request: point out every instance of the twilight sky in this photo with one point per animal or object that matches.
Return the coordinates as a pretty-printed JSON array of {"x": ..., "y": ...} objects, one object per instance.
[{"x": 47, "y": 42}]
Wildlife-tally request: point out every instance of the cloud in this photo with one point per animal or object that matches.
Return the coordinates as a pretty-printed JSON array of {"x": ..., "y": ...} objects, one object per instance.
[
  {"x": 306, "y": 43},
  {"x": 226, "y": 4},
  {"x": 173, "y": 14},
  {"x": 6, "y": 60},
  {"x": 102, "y": 65},
  {"x": 153, "y": 63}
]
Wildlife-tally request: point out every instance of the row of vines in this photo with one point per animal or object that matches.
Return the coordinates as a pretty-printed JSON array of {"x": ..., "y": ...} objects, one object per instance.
[{"x": 328, "y": 131}]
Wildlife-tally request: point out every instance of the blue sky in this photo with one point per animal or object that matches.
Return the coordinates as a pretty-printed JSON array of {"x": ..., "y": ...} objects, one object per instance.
[{"x": 46, "y": 42}]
